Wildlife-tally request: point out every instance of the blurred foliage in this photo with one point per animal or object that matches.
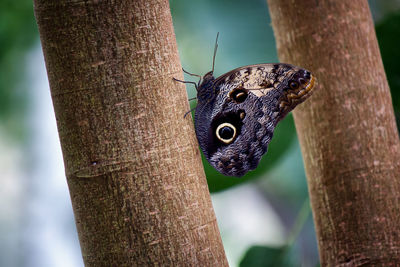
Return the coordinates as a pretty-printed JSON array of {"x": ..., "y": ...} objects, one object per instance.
[
  {"x": 388, "y": 34},
  {"x": 286, "y": 255},
  {"x": 380, "y": 9},
  {"x": 17, "y": 34},
  {"x": 286, "y": 179}
]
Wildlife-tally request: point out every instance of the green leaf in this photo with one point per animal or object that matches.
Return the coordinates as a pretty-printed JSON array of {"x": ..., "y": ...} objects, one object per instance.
[
  {"x": 17, "y": 34},
  {"x": 263, "y": 256},
  {"x": 388, "y": 34}
]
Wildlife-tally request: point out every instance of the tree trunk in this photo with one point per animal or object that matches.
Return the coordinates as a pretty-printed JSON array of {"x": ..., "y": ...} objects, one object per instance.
[
  {"x": 132, "y": 163},
  {"x": 346, "y": 129}
]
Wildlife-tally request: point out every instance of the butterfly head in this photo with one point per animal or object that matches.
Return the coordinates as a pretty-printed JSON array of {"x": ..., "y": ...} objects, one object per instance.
[
  {"x": 205, "y": 90},
  {"x": 207, "y": 78}
]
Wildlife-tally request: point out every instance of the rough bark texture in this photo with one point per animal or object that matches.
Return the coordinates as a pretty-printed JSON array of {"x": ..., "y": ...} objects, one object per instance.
[
  {"x": 133, "y": 168},
  {"x": 346, "y": 129}
]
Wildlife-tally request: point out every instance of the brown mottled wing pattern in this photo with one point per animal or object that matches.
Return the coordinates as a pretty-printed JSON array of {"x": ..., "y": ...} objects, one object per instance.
[{"x": 259, "y": 78}]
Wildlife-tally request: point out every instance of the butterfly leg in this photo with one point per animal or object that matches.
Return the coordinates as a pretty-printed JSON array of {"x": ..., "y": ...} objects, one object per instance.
[
  {"x": 184, "y": 116},
  {"x": 191, "y": 74},
  {"x": 195, "y": 84}
]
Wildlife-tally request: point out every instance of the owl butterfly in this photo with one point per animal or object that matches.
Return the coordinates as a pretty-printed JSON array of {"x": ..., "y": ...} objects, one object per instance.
[{"x": 237, "y": 112}]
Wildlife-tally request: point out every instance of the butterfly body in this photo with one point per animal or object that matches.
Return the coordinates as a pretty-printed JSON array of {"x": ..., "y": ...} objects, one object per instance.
[{"x": 237, "y": 112}]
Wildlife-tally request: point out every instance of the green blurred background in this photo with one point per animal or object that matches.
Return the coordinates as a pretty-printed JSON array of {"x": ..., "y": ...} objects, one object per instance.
[{"x": 264, "y": 217}]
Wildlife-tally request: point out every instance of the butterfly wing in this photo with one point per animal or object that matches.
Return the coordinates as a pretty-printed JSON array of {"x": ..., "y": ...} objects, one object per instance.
[
  {"x": 262, "y": 78},
  {"x": 235, "y": 124}
]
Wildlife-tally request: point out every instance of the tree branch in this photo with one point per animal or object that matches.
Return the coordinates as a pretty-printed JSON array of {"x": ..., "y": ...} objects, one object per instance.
[
  {"x": 133, "y": 167},
  {"x": 347, "y": 130}
]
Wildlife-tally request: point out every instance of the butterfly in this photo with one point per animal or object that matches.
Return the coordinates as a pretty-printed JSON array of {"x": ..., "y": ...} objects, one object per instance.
[{"x": 237, "y": 112}]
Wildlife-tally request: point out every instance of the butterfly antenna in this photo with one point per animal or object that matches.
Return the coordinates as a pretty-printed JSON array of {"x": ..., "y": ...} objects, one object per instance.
[{"x": 215, "y": 52}]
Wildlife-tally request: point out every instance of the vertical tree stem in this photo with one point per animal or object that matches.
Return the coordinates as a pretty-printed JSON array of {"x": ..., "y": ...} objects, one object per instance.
[
  {"x": 133, "y": 168},
  {"x": 347, "y": 129}
]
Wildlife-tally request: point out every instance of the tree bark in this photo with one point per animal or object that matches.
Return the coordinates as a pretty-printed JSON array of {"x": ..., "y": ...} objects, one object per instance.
[
  {"x": 346, "y": 129},
  {"x": 132, "y": 162}
]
